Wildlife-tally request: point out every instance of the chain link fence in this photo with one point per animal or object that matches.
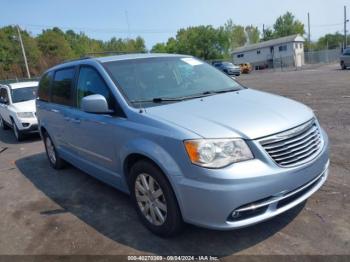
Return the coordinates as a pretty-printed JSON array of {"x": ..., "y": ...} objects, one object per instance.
[{"x": 322, "y": 57}]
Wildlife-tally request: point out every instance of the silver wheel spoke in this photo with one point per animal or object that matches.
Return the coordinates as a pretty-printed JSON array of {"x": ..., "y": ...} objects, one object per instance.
[
  {"x": 151, "y": 184},
  {"x": 159, "y": 214},
  {"x": 157, "y": 193},
  {"x": 141, "y": 198},
  {"x": 161, "y": 205},
  {"x": 144, "y": 182},
  {"x": 153, "y": 215},
  {"x": 146, "y": 209},
  {"x": 140, "y": 187}
]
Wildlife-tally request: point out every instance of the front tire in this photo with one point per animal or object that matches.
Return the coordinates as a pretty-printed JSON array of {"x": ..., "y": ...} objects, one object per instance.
[
  {"x": 18, "y": 134},
  {"x": 154, "y": 199},
  {"x": 3, "y": 124},
  {"x": 55, "y": 161}
]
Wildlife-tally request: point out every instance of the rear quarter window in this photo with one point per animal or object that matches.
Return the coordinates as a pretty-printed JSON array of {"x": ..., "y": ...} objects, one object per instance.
[
  {"x": 44, "y": 87},
  {"x": 61, "y": 92}
]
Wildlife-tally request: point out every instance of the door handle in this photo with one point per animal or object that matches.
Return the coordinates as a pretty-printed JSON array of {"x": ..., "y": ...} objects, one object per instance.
[{"x": 54, "y": 110}]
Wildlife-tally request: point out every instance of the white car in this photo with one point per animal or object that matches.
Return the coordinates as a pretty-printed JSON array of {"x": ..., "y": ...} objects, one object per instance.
[{"x": 17, "y": 108}]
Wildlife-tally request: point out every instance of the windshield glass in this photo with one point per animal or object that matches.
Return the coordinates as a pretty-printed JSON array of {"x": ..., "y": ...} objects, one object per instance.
[
  {"x": 23, "y": 94},
  {"x": 167, "y": 77},
  {"x": 228, "y": 64}
]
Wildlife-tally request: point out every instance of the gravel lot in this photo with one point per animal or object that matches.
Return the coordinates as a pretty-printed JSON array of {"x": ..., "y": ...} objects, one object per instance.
[{"x": 67, "y": 212}]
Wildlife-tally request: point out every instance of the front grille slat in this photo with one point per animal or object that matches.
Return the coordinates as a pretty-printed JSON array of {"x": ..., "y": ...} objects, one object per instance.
[
  {"x": 290, "y": 149},
  {"x": 306, "y": 151},
  {"x": 295, "y": 149},
  {"x": 288, "y": 141}
]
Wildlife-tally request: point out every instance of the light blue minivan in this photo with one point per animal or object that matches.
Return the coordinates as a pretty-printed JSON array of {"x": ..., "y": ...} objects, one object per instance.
[{"x": 186, "y": 141}]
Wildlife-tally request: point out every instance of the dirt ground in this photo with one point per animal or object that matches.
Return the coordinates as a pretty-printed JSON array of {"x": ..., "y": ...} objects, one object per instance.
[{"x": 43, "y": 211}]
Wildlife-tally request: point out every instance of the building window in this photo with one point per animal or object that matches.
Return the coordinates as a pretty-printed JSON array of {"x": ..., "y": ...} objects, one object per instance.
[
  {"x": 240, "y": 55},
  {"x": 282, "y": 48},
  {"x": 301, "y": 46},
  {"x": 258, "y": 52}
]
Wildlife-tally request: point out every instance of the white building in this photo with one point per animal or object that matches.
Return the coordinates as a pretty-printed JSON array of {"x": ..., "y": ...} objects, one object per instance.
[{"x": 280, "y": 52}]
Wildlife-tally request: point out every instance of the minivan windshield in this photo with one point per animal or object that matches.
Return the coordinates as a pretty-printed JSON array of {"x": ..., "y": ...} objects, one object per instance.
[
  {"x": 153, "y": 80},
  {"x": 23, "y": 94}
]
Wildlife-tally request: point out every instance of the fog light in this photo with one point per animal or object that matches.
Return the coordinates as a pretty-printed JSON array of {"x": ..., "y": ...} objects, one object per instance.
[
  {"x": 25, "y": 124},
  {"x": 235, "y": 214}
]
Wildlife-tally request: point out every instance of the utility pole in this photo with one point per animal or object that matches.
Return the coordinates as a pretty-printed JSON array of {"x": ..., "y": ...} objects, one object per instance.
[
  {"x": 345, "y": 31},
  {"x": 308, "y": 27},
  {"x": 23, "y": 51},
  {"x": 264, "y": 32}
]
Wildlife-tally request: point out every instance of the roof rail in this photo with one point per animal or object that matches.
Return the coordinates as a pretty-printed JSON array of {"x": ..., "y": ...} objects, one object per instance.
[
  {"x": 77, "y": 59},
  {"x": 114, "y": 53}
]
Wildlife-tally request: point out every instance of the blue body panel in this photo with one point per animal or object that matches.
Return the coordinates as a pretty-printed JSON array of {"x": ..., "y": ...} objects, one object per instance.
[{"x": 99, "y": 145}]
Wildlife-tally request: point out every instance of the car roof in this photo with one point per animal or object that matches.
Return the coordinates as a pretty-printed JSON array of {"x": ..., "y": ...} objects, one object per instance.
[
  {"x": 23, "y": 84},
  {"x": 112, "y": 58}
]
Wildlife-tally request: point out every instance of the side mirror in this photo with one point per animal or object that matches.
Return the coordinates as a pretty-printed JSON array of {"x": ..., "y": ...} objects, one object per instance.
[{"x": 95, "y": 104}]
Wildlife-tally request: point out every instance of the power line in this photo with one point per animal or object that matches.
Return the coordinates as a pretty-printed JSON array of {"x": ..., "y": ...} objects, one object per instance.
[{"x": 105, "y": 30}]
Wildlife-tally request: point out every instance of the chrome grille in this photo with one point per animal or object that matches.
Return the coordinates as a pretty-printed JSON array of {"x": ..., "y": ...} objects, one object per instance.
[{"x": 296, "y": 146}]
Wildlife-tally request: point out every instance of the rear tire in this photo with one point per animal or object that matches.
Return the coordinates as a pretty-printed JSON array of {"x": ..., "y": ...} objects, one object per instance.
[
  {"x": 54, "y": 159},
  {"x": 343, "y": 65},
  {"x": 3, "y": 125},
  {"x": 18, "y": 134},
  {"x": 154, "y": 199}
]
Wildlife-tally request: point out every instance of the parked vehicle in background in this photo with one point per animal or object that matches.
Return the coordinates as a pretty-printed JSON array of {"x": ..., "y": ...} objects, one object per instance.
[
  {"x": 345, "y": 59},
  {"x": 228, "y": 68},
  {"x": 188, "y": 142},
  {"x": 246, "y": 68},
  {"x": 17, "y": 108}
]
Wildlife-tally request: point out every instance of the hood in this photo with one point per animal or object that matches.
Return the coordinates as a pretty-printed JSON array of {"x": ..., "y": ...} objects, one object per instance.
[
  {"x": 247, "y": 113},
  {"x": 26, "y": 106}
]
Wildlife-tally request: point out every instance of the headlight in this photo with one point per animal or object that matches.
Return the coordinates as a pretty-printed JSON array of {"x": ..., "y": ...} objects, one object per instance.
[
  {"x": 25, "y": 114},
  {"x": 216, "y": 153}
]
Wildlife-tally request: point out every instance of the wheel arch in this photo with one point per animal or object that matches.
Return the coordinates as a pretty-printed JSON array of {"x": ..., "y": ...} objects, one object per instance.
[{"x": 149, "y": 151}]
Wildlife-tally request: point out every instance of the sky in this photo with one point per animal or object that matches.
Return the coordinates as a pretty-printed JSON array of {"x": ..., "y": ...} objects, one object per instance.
[{"x": 157, "y": 20}]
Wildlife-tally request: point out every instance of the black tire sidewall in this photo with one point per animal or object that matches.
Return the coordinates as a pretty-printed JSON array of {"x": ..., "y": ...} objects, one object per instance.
[
  {"x": 4, "y": 126},
  {"x": 173, "y": 222},
  {"x": 19, "y": 136},
  {"x": 59, "y": 164}
]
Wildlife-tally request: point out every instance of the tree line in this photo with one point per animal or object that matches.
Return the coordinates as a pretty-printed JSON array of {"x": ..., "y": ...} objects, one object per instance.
[{"x": 53, "y": 46}]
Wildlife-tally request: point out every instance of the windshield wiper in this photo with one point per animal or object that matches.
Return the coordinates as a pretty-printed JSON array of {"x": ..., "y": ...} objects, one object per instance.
[
  {"x": 220, "y": 91},
  {"x": 158, "y": 100},
  {"x": 182, "y": 98}
]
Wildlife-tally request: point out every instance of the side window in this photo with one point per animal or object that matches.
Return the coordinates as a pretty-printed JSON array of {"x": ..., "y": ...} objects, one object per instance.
[
  {"x": 44, "y": 87},
  {"x": 61, "y": 92},
  {"x": 90, "y": 83},
  {"x": 3, "y": 96},
  {"x": 282, "y": 48}
]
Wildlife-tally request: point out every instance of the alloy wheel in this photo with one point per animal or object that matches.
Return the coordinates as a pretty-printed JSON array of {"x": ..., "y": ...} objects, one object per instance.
[
  {"x": 15, "y": 130},
  {"x": 50, "y": 149},
  {"x": 150, "y": 199}
]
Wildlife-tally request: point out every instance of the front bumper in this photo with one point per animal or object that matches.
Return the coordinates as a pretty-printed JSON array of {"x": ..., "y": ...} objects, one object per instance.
[
  {"x": 234, "y": 72},
  {"x": 27, "y": 125},
  {"x": 258, "y": 189}
]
